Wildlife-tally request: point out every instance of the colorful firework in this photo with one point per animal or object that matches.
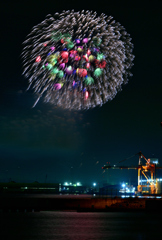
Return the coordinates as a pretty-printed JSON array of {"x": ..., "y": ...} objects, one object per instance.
[{"x": 77, "y": 60}]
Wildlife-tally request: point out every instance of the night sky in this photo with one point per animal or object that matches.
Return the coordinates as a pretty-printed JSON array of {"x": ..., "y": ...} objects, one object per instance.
[{"x": 74, "y": 145}]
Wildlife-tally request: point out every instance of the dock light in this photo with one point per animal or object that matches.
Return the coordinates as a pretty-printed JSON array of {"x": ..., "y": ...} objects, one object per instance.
[
  {"x": 78, "y": 184},
  {"x": 66, "y": 184},
  {"x": 94, "y": 184},
  {"x": 123, "y": 185}
]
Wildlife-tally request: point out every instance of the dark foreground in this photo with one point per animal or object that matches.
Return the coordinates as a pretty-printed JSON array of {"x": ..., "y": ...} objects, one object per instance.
[
  {"x": 61, "y": 225},
  {"x": 80, "y": 203}
]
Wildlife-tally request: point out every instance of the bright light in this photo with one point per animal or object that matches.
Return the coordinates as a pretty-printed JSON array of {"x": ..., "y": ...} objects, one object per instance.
[
  {"x": 38, "y": 59},
  {"x": 156, "y": 162},
  {"x": 123, "y": 185},
  {"x": 66, "y": 184},
  {"x": 78, "y": 184},
  {"x": 86, "y": 94},
  {"x": 94, "y": 184}
]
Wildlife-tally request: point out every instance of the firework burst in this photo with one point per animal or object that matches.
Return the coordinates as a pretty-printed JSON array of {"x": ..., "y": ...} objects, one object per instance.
[{"x": 77, "y": 60}]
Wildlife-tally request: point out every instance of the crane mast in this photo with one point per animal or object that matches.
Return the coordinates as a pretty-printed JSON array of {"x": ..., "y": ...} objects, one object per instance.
[{"x": 148, "y": 171}]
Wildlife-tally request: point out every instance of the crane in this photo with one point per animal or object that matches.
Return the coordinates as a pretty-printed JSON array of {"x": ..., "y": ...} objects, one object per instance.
[{"x": 148, "y": 171}]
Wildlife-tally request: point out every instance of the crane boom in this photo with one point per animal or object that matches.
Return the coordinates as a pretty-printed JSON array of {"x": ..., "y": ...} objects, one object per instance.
[{"x": 142, "y": 170}]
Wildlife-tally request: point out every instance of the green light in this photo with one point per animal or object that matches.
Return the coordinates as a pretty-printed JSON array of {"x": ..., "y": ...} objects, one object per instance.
[
  {"x": 55, "y": 70},
  {"x": 100, "y": 56},
  {"x": 66, "y": 35},
  {"x": 70, "y": 45},
  {"x": 89, "y": 80},
  {"x": 98, "y": 72},
  {"x": 53, "y": 61},
  {"x": 60, "y": 74},
  {"x": 49, "y": 66},
  {"x": 97, "y": 41}
]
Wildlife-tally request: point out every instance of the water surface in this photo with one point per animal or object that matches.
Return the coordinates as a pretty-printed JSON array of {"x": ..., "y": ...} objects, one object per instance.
[{"x": 80, "y": 226}]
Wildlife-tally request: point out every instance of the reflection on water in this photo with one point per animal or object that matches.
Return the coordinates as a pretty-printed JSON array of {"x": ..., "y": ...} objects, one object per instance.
[{"x": 80, "y": 226}]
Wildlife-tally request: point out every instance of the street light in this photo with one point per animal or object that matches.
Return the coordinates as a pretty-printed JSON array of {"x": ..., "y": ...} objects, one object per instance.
[{"x": 123, "y": 185}]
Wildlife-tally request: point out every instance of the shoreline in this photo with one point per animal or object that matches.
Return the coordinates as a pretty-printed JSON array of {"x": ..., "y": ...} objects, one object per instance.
[{"x": 36, "y": 203}]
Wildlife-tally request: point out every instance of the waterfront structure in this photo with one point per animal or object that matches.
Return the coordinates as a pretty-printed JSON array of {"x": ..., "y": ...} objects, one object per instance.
[{"x": 147, "y": 170}]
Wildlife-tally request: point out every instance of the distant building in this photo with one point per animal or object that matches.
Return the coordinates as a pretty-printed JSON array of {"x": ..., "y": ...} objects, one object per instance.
[{"x": 35, "y": 187}]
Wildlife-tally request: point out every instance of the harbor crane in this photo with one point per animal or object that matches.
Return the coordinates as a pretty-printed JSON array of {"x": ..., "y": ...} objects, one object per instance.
[{"x": 148, "y": 171}]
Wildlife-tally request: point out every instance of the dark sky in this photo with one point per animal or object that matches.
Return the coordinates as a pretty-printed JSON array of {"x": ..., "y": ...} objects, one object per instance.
[{"x": 47, "y": 140}]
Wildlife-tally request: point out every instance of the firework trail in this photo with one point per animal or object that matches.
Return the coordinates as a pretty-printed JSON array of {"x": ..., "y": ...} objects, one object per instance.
[{"x": 77, "y": 60}]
